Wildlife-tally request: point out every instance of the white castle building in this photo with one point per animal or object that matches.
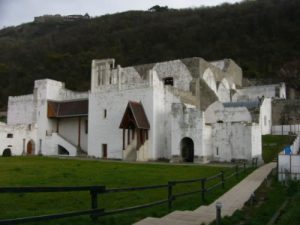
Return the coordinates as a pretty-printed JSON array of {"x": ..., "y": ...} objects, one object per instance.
[{"x": 186, "y": 110}]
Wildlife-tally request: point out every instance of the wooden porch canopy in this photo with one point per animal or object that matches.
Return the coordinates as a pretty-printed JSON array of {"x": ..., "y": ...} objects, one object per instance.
[
  {"x": 135, "y": 119},
  {"x": 76, "y": 108}
]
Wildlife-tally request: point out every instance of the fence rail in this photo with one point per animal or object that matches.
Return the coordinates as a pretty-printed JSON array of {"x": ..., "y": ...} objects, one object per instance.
[{"x": 94, "y": 212}]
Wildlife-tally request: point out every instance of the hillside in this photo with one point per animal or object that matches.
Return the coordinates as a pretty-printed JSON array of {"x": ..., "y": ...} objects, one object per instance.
[{"x": 262, "y": 36}]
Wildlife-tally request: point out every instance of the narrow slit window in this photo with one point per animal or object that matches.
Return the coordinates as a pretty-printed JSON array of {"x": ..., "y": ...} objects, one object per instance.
[{"x": 105, "y": 113}]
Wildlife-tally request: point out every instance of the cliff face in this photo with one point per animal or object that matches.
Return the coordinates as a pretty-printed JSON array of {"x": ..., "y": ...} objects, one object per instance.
[{"x": 261, "y": 36}]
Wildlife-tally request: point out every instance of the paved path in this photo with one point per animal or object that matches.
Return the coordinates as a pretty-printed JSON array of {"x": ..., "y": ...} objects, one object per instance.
[{"x": 232, "y": 200}]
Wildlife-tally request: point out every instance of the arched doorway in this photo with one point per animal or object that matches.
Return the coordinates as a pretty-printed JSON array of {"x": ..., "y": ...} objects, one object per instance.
[
  {"x": 6, "y": 152},
  {"x": 187, "y": 149},
  {"x": 30, "y": 147}
]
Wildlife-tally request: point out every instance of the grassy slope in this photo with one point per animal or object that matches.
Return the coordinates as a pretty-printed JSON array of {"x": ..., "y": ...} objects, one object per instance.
[
  {"x": 273, "y": 144},
  {"x": 38, "y": 171}
]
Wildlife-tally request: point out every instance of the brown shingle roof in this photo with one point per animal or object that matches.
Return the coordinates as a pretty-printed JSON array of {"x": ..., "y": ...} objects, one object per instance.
[
  {"x": 135, "y": 114},
  {"x": 68, "y": 109}
]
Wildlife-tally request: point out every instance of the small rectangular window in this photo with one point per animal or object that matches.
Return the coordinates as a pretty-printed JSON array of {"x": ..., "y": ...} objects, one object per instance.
[
  {"x": 217, "y": 151},
  {"x": 105, "y": 113},
  {"x": 168, "y": 81},
  {"x": 10, "y": 136}
]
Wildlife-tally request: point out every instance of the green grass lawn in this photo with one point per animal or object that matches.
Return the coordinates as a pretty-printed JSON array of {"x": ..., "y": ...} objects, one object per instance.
[
  {"x": 273, "y": 144},
  {"x": 42, "y": 171}
]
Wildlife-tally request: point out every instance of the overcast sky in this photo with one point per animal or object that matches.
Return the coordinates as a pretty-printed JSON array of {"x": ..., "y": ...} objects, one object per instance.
[{"x": 15, "y": 12}]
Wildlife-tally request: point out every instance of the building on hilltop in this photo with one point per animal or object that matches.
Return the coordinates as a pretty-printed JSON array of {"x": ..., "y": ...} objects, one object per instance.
[
  {"x": 187, "y": 110},
  {"x": 58, "y": 18}
]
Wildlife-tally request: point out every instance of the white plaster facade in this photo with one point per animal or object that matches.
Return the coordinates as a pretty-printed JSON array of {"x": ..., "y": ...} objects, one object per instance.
[{"x": 180, "y": 127}]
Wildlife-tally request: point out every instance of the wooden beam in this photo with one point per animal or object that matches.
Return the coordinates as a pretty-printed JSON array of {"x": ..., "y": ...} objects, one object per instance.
[
  {"x": 123, "y": 139},
  {"x": 128, "y": 136}
]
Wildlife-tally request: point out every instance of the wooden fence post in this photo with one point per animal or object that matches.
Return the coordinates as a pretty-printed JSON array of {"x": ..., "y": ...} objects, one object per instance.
[
  {"x": 203, "y": 190},
  {"x": 170, "y": 194},
  {"x": 94, "y": 202},
  {"x": 222, "y": 179}
]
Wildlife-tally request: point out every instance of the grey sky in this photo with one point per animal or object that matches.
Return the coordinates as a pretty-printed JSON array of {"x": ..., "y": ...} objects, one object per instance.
[{"x": 15, "y": 12}]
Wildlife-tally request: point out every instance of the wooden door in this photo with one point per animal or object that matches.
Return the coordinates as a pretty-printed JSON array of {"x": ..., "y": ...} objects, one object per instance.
[{"x": 29, "y": 148}]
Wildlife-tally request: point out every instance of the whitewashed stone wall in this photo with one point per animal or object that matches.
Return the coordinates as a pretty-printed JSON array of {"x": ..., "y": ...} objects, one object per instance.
[
  {"x": 235, "y": 141},
  {"x": 210, "y": 80},
  {"x": 21, "y": 135},
  {"x": 255, "y": 92},
  {"x": 187, "y": 122},
  {"x": 207, "y": 144},
  {"x": 176, "y": 69},
  {"x": 106, "y": 130},
  {"x": 32, "y": 110},
  {"x": 265, "y": 116},
  {"x": 224, "y": 91},
  {"x": 216, "y": 112},
  {"x": 68, "y": 129},
  {"x": 230, "y": 130}
]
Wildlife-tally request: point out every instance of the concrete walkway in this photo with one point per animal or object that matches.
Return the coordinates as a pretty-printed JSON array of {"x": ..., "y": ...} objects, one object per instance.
[{"x": 232, "y": 200}]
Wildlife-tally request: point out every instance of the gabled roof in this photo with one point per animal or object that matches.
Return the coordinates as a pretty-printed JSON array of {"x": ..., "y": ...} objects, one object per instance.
[
  {"x": 68, "y": 109},
  {"x": 135, "y": 114}
]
